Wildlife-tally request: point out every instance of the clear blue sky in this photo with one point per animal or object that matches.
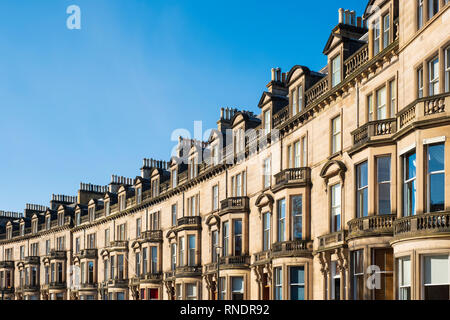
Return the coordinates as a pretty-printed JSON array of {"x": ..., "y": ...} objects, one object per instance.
[{"x": 80, "y": 105}]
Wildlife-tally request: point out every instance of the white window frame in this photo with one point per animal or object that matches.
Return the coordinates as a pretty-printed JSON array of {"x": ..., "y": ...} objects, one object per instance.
[
  {"x": 336, "y": 71},
  {"x": 433, "y": 77},
  {"x": 381, "y": 103}
]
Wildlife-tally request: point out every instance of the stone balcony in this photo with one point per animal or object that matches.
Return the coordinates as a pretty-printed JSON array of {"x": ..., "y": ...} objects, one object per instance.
[
  {"x": 31, "y": 260},
  {"x": 188, "y": 271},
  {"x": 57, "y": 285},
  {"x": 169, "y": 275},
  {"x": 88, "y": 286},
  {"x": 117, "y": 283},
  {"x": 57, "y": 255},
  {"x": 228, "y": 263},
  {"x": 373, "y": 131},
  {"x": 189, "y": 223},
  {"x": 152, "y": 236},
  {"x": 292, "y": 178},
  {"x": 372, "y": 226},
  {"x": 235, "y": 205},
  {"x": 296, "y": 248},
  {"x": 88, "y": 254},
  {"x": 422, "y": 225},
  {"x": 147, "y": 278},
  {"x": 6, "y": 264},
  {"x": 332, "y": 241},
  {"x": 118, "y": 245},
  {"x": 263, "y": 257}
]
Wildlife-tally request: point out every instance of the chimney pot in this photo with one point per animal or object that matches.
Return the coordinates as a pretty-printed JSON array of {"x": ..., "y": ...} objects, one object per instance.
[
  {"x": 347, "y": 16},
  {"x": 341, "y": 15},
  {"x": 353, "y": 18}
]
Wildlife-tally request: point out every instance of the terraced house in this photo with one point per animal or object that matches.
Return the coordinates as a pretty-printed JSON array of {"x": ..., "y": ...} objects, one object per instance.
[{"x": 349, "y": 200}]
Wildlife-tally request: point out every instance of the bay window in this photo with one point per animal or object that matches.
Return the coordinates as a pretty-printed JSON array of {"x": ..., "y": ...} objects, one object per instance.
[
  {"x": 404, "y": 278},
  {"x": 181, "y": 253},
  {"x": 296, "y": 211},
  {"x": 278, "y": 279},
  {"x": 435, "y": 177},
  {"x": 225, "y": 238},
  {"x": 436, "y": 280},
  {"x": 281, "y": 220},
  {"x": 447, "y": 69},
  {"x": 420, "y": 83},
  {"x": 357, "y": 273},
  {"x": 191, "y": 252},
  {"x": 409, "y": 184},
  {"x": 237, "y": 234},
  {"x": 362, "y": 191},
  {"x": 297, "y": 283},
  {"x": 154, "y": 259},
  {"x": 384, "y": 184},
  {"x": 237, "y": 288},
  {"x": 191, "y": 291},
  {"x": 335, "y": 281}
]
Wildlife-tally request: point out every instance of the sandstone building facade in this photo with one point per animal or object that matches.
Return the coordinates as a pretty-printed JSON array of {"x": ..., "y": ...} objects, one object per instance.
[{"x": 338, "y": 189}]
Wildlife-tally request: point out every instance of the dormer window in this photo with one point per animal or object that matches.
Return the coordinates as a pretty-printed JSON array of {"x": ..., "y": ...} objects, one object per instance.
[
  {"x": 193, "y": 170},
  {"x": 155, "y": 188},
  {"x": 107, "y": 208},
  {"x": 122, "y": 205},
  {"x": 139, "y": 195},
  {"x": 174, "y": 178},
  {"x": 9, "y": 233},
  {"x": 267, "y": 122},
  {"x": 78, "y": 218},
  {"x": 215, "y": 154},
  {"x": 22, "y": 229},
  {"x": 60, "y": 219},
  {"x": 336, "y": 71},
  {"x": 35, "y": 227},
  {"x": 239, "y": 140},
  {"x": 48, "y": 223},
  {"x": 300, "y": 98},
  {"x": 91, "y": 213}
]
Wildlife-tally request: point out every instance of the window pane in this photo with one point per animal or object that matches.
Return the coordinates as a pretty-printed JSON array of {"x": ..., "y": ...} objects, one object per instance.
[
  {"x": 297, "y": 217},
  {"x": 436, "y": 157},
  {"x": 384, "y": 169},
  {"x": 436, "y": 270},
  {"x": 437, "y": 192},
  {"x": 410, "y": 166}
]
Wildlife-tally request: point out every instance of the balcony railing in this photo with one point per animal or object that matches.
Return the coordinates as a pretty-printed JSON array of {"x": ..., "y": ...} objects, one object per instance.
[
  {"x": 117, "y": 283},
  {"x": 317, "y": 90},
  {"x": 6, "y": 264},
  {"x": 88, "y": 286},
  {"x": 291, "y": 248},
  {"x": 281, "y": 116},
  {"x": 424, "y": 107},
  {"x": 88, "y": 254},
  {"x": 150, "y": 277},
  {"x": 120, "y": 244},
  {"x": 57, "y": 285},
  {"x": 59, "y": 255},
  {"x": 230, "y": 262},
  {"x": 332, "y": 240},
  {"x": 262, "y": 257},
  {"x": 236, "y": 204},
  {"x": 379, "y": 225},
  {"x": 422, "y": 225},
  {"x": 169, "y": 274},
  {"x": 374, "y": 129},
  {"x": 31, "y": 260},
  {"x": 188, "y": 271},
  {"x": 194, "y": 220},
  {"x": 152, "y": 235},
  {"x": 292, "y": 177},
  {"x": 355, "y": 61}
]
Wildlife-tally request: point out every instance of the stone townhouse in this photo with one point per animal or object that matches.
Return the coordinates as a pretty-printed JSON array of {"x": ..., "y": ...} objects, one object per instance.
[{"x": 337, "y": 189}]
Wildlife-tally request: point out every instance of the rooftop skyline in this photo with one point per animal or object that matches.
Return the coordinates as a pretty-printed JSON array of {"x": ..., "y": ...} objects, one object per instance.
[{"x": 82, "y": 105}]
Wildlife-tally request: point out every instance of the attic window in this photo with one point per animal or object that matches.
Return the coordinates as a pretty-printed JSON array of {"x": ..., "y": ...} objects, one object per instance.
[
  {"x": 174, "y": 178},
  {"x": 48, "y": 223},
  {"x": 107, "y": 208},
  {"x": 35, "y": 227},
  {"x": 9, "y": 233},
  {"x": 60, "y": 219},
  {"x": 22, "y": 229},
  {"x": 336, "y": 71},
  {"x": 78, "y": 219},
  {"x": 138, "y": 195},
  {"x": 91, "y": 214}
]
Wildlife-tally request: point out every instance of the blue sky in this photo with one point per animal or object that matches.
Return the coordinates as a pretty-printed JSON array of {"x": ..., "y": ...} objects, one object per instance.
[{"x": 80, "y": 105}]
